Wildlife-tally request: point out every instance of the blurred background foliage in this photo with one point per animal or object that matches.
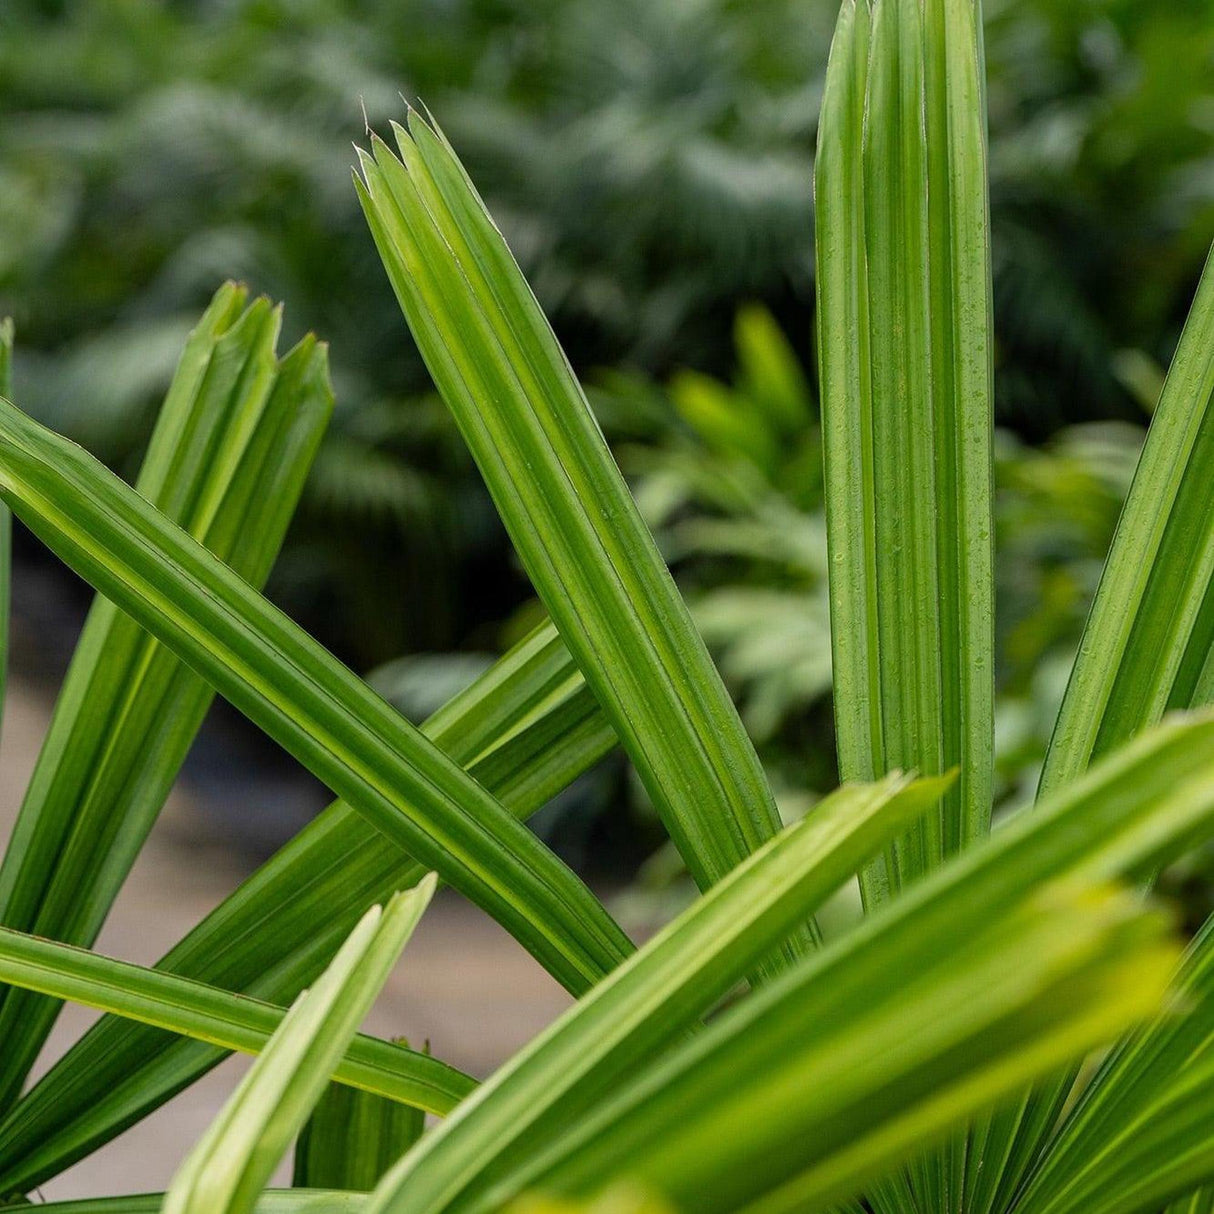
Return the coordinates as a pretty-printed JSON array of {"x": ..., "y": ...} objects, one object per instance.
[{"x": 650, "y": 162}]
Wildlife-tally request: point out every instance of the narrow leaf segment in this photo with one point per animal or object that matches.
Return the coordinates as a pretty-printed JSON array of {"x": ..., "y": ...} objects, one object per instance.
[
  {"x": 904, "y": 302},
  {"x": 652, "y": 1000},
  {"x": 352, "y": 1139},
  {"x": 592, "y": 560},
  {"x": 227, "y": 460},
  {"x": 231, "y": 1164},
  {"x": 305, "y": 699},
  {"x": 1148, "y": 643},
  {"x": 986, "y": 975},
  {"x": 525, "y": 730},
  {"x": 233, "y": 1022}
]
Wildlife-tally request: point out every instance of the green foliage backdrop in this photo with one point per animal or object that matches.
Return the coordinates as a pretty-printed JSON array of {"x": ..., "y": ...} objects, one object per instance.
[{"x": 650, "y": 165}]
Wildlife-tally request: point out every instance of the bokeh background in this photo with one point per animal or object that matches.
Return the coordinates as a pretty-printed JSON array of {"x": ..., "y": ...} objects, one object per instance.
[{"x": 650, "y": 162}]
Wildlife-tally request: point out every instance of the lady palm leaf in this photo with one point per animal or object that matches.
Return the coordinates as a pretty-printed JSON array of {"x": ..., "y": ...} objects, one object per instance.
[
  {"x": 227, "y": 460},
  {"x": 837, "y": 1081},
  {"x": 1146, "y": 648},
  {"x": 904, "y": 350},
  {"x": 1008, "y": 960},
  {"x": 352, "y": 1139},
  {"x": 232, "y": 1022},
  {"x": 305, "y": 699},
  {"x": 768, "y": 1113},
  {"x": 230, "y": 1166},
  {"x": 593, "y": 562},
  {"x": 654, "y": 998},
  {"x": 1147, "y": 644},
  {"x": 846, "y": 375},
  {"x": 904, "y": 333},
  {"x": 525, "y": 729}
]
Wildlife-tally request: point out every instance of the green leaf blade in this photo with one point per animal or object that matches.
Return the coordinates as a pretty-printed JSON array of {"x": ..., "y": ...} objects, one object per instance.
[
  {"x": 1154, "y": 595},
  {"x": 563, "y": 500},
  {"x": 786, "y": 1088},
  {"x": 904, "y": 323},
  {"x": 522, "y": 729},
  {"x": 232, "y": 1163},
  {"x": 306, "y": 700},
  {"x": 652, "y": 999},
  {"x": 352, "y": 1138},
  {"x": 204, "y": 1013},
  {"x": 228, "y": 460}
]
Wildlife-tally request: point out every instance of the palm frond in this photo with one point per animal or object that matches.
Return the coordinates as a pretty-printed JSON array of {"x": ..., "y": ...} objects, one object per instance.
[
  {"x": 227, "y": 461},
  {"x": 305, "y": 699},
  {"x": 563, "y": 500},
  {"x": 526, "y": 729},
  {"x": 232, "y": 1162}
]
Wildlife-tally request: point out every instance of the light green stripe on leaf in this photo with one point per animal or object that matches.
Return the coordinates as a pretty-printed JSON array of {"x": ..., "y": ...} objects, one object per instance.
[
  {"x": 525, "y": 729},
  {"x": 227, "y": 460},
  {"x": 234, "y": 1022},
  {"x": 227, "y": 1170},
  {"x": 904, "y": 303},
  {"x": 1147, "y": 639},
  {"x": 987, "y": 974},
  {"x": 651, "y": 1000}
]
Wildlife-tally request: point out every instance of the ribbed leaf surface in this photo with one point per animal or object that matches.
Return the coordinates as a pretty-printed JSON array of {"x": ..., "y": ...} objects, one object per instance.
[
  {"x": 305, "y": 699},
  {"x": 227, "y": 1170},
  {"x": 233, "y": 1022},
  {"x": 1147, "y": 644},
  {"x": 593, "y": 562},
  {"x": 1009, "y": 959},
  {"x": 525, "y": 729},
  {"x": 651, "y": 1000},
  {"x": 352, "y": 1139},
  {"x": 904, "y": 304},
  {"x": 227, "y": 460}
]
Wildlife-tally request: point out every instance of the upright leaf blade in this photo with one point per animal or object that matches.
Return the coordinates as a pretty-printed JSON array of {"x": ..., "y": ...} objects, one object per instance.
[
  {"x": 1149, "y": 634},
  {"x": 564, "y": 502},
  {"x": 904, "y": 304},
  {"x": 845, "y": 375},
  {"x": 962, "y": 369},
  {"x": 227, "y": 459},
  {"x": 352, "y": 1139},
  {"x": 904, "y": 465},
  {"x": 231, "y": 1164}
]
